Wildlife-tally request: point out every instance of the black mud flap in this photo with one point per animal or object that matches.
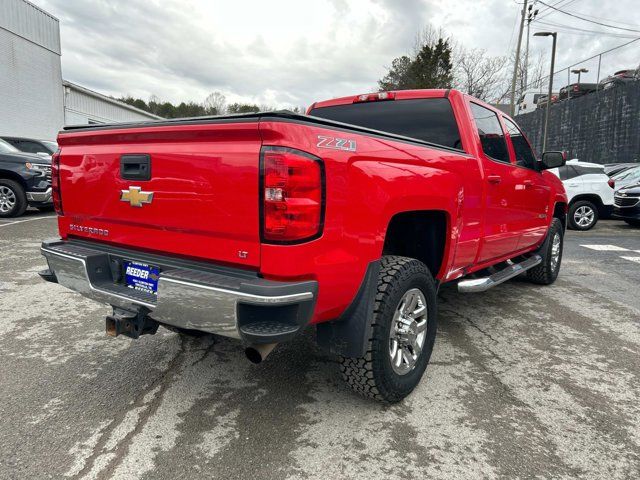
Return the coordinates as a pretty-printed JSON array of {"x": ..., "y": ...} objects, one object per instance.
[{"x": 348, "y": 335}]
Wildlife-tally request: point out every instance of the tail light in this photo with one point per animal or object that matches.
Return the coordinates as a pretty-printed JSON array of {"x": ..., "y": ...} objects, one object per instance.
[
  {"x": 292, "y": 191},
  {"x": 612, "y": 183},
  {"x": 375, "y": 97},
  {"x": 55, "y": 183}
]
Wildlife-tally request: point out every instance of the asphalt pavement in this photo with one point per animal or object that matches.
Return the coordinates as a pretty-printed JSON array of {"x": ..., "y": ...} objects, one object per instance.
[{"x": 525, "y": 381}]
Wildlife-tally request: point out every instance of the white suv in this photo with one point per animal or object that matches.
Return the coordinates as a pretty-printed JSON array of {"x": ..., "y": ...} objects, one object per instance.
[{"x": 589, "y": 190}]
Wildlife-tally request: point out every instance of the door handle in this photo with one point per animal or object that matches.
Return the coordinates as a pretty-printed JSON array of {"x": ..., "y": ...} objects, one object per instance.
[
  {"x": 135, "y": 167},
  {"x": 494, "y": 178},
  {"x": 528, "y": 183}
]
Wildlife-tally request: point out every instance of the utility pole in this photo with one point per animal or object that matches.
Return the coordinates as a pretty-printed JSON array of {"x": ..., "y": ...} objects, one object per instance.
[
  {"x": 553, "y": 62},
  {"x": 512, "y": 108},
  {"x": 531, "y": 16}
]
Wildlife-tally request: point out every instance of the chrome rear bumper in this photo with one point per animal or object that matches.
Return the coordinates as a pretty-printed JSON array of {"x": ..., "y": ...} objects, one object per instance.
[{"x": 226, "y": 302}]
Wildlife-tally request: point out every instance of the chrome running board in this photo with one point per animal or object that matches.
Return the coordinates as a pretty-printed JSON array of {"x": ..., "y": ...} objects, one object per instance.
[{"x": 482, "y": 284}]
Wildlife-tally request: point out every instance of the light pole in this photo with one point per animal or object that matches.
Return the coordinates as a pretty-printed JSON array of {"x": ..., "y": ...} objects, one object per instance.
[
  {"x": 553, "y": 61},
  {"x": 579, "y": 71}
]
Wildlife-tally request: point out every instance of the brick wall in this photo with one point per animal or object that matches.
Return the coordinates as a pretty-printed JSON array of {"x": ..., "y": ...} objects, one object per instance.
[{"x": 602, "y": 127}]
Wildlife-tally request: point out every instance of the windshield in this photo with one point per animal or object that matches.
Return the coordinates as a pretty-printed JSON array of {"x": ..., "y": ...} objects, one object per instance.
[
  {"x": 7, "y": 147},
  {"x": 52, "y": 146},
  {"x": 631, "y": 173}
]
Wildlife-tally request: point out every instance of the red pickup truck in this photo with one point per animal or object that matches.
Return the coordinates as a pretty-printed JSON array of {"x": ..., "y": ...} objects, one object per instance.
[{"x": 348, "y": 218}]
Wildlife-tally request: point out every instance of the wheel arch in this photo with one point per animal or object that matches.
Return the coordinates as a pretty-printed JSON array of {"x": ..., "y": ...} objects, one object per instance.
[
  {"x": 419, "y": 234},
  {"x": 591, "y": 197},
  {"x": 9, "y": 175}
]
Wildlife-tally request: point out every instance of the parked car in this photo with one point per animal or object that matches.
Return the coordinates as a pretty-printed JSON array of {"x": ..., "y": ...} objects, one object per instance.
[
  {"x": 589, "y": 191},
  {"x": 31, "y": 145},
  {"x": 347, "y": 219},
  {"x": 612, "y": 169},
  {"x": 528, "y": 101},
  {"x": 619, "y": 78},
  {"x": 627, "y": 177},
  {"x": 25, "y": 179},
  {"x": 543, "y": 100},
  {"x": 627, "y": 207},
  {"x": 576, "y": 90}
]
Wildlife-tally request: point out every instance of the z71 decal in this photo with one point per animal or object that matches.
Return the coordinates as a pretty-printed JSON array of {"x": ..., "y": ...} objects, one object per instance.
[{"x": 335, "y": 143}]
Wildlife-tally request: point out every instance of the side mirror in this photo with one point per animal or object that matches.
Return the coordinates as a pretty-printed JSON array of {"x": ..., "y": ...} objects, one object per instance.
[{"x": 552, "y": 160}]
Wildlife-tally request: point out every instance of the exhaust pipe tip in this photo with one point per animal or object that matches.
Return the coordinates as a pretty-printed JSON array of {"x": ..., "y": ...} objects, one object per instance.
[{"x": 258, "y": 353}]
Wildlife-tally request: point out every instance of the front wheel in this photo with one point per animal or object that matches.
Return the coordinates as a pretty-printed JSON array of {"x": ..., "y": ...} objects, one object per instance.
[
  {"x": 403, "y": 331},
  {"x": 13, "y": 200},
  {"x": 551, "y": 252},
  {"x": 583, "y": 215}
]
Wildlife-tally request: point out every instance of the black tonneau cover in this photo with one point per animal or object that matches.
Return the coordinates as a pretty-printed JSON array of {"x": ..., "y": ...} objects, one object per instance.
[{"x": 278, "y": 116}]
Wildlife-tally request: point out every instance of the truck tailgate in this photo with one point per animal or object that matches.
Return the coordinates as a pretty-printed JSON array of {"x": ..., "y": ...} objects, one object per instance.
[{"x": 200, "y": 199}]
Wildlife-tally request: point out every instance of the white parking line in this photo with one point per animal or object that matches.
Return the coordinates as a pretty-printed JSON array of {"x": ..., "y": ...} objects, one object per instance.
[
  {"x": 633, "y": 259},
  {"x": 27, "y": 220},
  {"x": 606, "y": 248}
]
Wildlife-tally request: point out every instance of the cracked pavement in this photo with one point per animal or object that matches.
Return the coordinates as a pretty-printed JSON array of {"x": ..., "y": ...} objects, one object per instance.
[{"x": 525, "y": 381}]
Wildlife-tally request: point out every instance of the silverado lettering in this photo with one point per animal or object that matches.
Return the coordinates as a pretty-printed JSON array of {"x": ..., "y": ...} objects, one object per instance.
[{"x": 443, "y": 188}]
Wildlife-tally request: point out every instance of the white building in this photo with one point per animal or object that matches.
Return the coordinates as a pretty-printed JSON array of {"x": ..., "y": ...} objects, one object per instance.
[
  {"x": 83, "y": 106},
  {"x": 34, "y": 100},
  {"x": 30, "y": 72}
]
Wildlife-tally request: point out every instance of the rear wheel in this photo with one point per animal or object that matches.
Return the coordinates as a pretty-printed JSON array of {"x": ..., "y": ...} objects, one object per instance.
[
  {"x": 551, "y": 253},
  {"x": 13, "y": 201},
  {"x": 583, "y": 215},
  {"x": 403, "y": 331}
]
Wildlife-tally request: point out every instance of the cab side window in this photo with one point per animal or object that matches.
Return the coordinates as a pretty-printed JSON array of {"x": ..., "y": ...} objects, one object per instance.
[
  {"x": 491, "y": 134},
  {"x": 524, "y": 154}
]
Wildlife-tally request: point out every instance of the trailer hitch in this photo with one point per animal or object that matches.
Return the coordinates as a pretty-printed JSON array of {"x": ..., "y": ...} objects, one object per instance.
[{"x": 131, "y": 324}]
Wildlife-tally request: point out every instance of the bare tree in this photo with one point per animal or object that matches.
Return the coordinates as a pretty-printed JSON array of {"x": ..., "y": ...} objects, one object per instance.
[
  {"x": 215, "y": 103},
  {"x": 477, "y": 74},
  {"x": 537, "y": 77}
]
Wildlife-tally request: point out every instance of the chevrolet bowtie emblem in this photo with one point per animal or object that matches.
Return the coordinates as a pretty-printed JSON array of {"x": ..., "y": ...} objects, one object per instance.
[{"x": 136, "y": 197}]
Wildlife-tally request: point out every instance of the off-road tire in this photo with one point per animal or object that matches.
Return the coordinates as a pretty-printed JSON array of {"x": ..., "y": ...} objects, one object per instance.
[
  {"x": 545, "y": 273},
  {"x": 372, "y": 376},
  {"x": 21, "y": 198},
  {"x": 572, "y": 210}
]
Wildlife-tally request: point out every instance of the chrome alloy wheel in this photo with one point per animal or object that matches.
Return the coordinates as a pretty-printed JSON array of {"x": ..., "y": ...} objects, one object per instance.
[
  {"x": 408, "y": 331},
  {"x": 7, "y": 199},
  {"x": 555, "y": 251},
  {"x": 584, "y": 216}
]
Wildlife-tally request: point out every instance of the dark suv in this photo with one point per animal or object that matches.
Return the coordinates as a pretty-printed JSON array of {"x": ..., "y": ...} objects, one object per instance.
[
  {"x": 32, "y": 145},
  {"x": 576, "y": 90},
  {"x": 25, "y": 179},
  {"x": 627, "y": 204},
  {"x": 620, "y": 78}
]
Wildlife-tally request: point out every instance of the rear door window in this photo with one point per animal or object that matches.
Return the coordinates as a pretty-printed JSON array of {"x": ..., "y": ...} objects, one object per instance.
[
  {"x": 427, "y": 119},
  {"x": 491, "y": 134}
]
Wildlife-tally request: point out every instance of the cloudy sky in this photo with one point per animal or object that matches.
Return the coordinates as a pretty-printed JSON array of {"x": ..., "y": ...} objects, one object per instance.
[{"x": 292, "y": 52}]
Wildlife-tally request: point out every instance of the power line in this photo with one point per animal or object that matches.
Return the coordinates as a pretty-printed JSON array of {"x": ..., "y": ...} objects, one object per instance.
[
  {"x": 570, "y": 29},
  {"x": 587, "y": 20},
  {"x": 541, "y": 79},
  {"x": 549, "y": 11}
]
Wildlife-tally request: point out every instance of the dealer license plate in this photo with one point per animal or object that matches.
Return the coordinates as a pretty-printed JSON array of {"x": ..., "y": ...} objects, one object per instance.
[{"x": 141, "y": 276}]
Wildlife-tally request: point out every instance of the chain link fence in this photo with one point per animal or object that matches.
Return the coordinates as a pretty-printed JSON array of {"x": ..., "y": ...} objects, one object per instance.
[{"x": 599, "y": 127}]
